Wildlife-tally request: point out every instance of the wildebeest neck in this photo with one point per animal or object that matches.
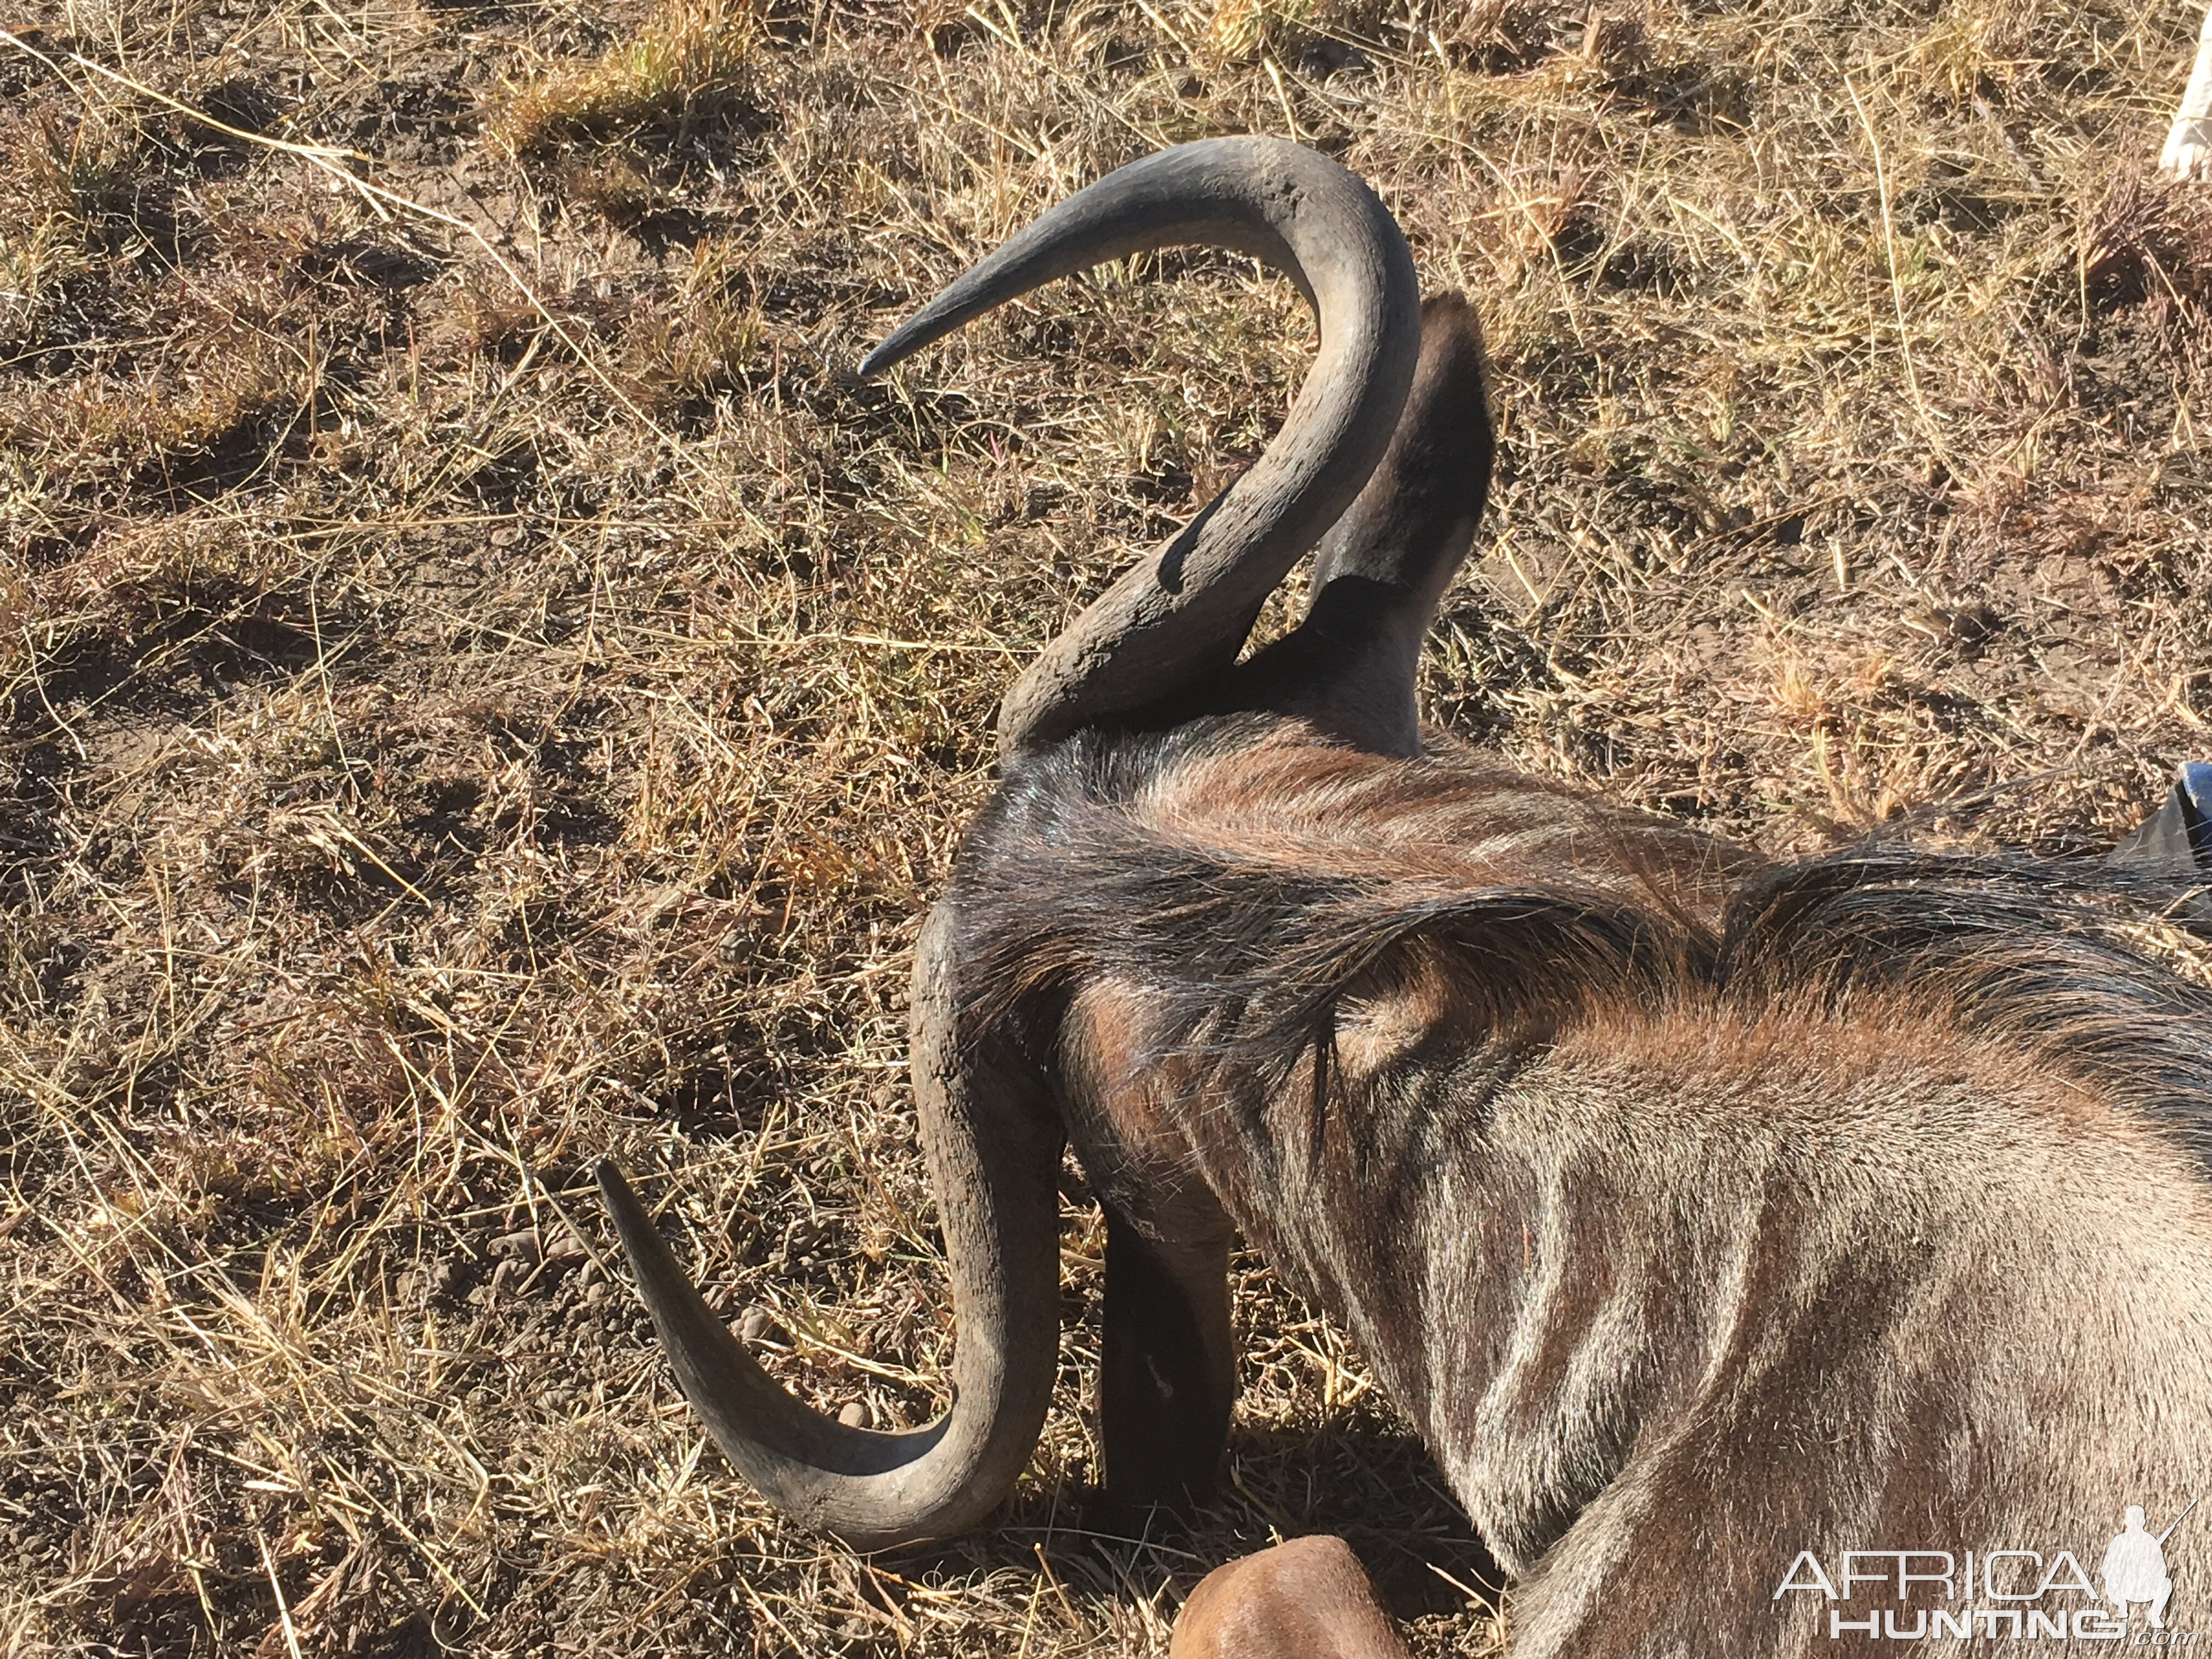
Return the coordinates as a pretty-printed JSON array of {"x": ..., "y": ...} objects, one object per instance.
[{"x": 1613, "y": 1146}]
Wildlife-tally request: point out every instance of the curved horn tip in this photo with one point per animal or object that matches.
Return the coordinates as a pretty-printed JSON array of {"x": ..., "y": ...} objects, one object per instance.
[
  {"x": 1240, "y": 193},
  {"x": 614, "y": 1186},
  {"x": 633, "y": 1226},
  {"x": 882, "y": 359}
]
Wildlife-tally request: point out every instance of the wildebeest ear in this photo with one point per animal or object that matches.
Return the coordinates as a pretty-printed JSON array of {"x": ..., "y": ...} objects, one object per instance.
[
  {"x": 1167, "y": 1374},
  {"x": 1407, "y": 530},
  {"x": 1350, "y": 666}
]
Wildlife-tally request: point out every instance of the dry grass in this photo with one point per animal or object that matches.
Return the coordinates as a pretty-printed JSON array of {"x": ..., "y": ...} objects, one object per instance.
[
  {"x": 688, "y": 64},
  {"x": 454, "y": 732}
]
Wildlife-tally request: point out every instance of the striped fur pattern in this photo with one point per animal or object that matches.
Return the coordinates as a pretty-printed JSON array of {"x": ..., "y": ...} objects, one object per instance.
[
  {"x": 1697, "y": 1209},
  {"x": 1700, "y": 1211}
]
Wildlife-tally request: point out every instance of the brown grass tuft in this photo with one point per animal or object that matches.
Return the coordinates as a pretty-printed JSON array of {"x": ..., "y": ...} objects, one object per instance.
[
  {"x": 1247, "y": 31},
  {"x": 147, "y": 419},
  {"x": 703, "y": 343},
  {"x": 688, "y": 64},
  {"x": 2143, "y": 241},
  {"x": 1973, "y": 48}
]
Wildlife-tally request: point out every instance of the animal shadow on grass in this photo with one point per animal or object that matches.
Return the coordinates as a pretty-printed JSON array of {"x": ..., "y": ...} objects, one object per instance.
[
  {"x": 1370, "y": 1481},
  {"x": 1365, "y": 1479}
]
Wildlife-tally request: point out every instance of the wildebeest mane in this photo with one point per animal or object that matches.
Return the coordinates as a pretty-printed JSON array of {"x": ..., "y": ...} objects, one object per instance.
[
  {"x": 1244, "y": 961},
  {"x": 1064, "y": 878},
  {"x": 2059, "y": 960}
]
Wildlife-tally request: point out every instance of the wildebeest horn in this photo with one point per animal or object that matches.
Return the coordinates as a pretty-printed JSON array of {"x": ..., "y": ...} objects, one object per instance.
[
  {"x": 1184, "y": 610},
  {"x": 992, "y": 1146},
  {"x": 1351, "y": 667},
  {"x": 988, "y": 1129}
]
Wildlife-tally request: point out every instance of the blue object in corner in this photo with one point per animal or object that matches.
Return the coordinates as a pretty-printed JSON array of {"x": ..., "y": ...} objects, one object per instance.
[{"x": 2176, "y": 839}]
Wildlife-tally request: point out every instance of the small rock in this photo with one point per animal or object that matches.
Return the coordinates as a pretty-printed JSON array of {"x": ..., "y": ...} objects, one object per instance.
[
  {"x": 566, "y": 1247},
  {"x": 1969, "y": 625},
  {"x": 515, "y": 1247},
  {"x": 755, "y": 1325},
  {"x": 1966, "y": 627},
  {"x": 595, "y": 1294},
  {"x": 854, "y": 1414}
]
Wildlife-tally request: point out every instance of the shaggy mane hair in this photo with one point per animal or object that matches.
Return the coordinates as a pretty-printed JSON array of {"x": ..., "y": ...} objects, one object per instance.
[{"x": 1066, "y": 875}]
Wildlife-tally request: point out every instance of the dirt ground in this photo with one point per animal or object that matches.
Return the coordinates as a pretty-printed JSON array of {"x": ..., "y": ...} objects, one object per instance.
[{"x": 486, "y": 686}]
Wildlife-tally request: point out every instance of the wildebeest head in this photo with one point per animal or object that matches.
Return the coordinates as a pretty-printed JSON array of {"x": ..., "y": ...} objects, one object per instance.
[{"x": 1381, "y": 466}]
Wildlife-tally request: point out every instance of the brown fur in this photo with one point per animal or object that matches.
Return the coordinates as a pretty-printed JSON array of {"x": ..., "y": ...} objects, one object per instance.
[
  {"x": 1307, "y": 1599},
  {"x": 1698, "y": 1211}
]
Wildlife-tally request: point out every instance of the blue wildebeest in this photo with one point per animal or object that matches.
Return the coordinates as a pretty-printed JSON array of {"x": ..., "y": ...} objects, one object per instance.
[{"x": 1709, "y": 1216}]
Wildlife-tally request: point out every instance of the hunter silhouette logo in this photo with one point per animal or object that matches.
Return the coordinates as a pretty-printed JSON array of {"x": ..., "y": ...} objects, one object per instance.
[
  {"x": 2135, "y": 1567},
  {"x": 1915, "y": 1594}
]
